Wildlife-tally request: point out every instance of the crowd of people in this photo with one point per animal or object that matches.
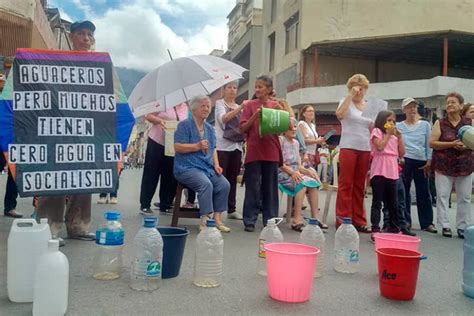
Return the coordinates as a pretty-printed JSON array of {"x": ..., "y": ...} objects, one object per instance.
[{"x": 208, "y": 161}]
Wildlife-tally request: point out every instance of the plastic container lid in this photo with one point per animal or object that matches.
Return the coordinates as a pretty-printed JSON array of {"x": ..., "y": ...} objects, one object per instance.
[
  {"x": 313, "y": 221},
  {"x": 346, "y": 220},
  {"x": 112, "y": 216},
  {"x": 150, "y": 222},
  {"x": 211, "y": 223}
]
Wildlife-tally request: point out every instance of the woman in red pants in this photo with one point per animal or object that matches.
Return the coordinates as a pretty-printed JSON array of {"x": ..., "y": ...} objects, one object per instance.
[{"x": 354, "y": 154}]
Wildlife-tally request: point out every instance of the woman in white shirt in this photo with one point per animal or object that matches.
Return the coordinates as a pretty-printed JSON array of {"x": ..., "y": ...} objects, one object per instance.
[
  {"x": 354, "y": 155},
  {"x": 229, "y": 141},
  {"x": 308, "y": 129}
]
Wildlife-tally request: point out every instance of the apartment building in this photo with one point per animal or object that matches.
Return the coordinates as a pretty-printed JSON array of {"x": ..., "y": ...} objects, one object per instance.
[
  {"x": 417, "y": 48},
  {"x": 245, "y": 42}
]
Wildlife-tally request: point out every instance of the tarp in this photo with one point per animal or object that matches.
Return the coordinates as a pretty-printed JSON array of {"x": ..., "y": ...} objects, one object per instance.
[{"x": 64, "y": 122}]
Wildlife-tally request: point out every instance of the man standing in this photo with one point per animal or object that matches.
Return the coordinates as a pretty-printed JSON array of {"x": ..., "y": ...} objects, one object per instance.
[{"x": 78, "y": 207}]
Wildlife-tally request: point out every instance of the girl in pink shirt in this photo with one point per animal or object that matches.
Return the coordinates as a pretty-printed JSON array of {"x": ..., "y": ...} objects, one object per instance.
[{"x": 386, "y": 147}]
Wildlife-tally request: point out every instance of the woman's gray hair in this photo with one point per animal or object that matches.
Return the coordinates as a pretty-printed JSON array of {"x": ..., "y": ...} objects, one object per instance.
[{"x": 196, "y": 101}]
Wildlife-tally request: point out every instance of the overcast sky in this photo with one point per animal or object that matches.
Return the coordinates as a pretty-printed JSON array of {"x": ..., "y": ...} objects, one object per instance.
[{"x": 137, "y": 33}]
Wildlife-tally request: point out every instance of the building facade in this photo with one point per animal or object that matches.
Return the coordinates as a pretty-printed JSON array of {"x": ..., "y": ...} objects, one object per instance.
[
  {"x": 404, "y": 47},
  {"x": 245, "y": 44}
]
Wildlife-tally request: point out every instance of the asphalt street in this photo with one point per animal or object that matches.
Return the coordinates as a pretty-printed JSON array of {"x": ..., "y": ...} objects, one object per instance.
[{"x": 243, "y": 292}]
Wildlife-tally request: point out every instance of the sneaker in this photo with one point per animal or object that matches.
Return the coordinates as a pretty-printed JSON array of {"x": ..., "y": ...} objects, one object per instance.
[
  {"x": 460, "y": 233},
  {"x": 431, "y": 229},
  {"x": 146, "y": 211},
  {"x": 113, "y": 200},
  {"x": 447, "y": 232},
  {"x": 166, "y": 211},
  {"x": 102, "y": 200},
  {"x": 407, "y": 231},
  {"x": 223, "y": 228},
  {"x": 86, "y": 236},
  {"x": 189, "y": 205},
  {"x": 14, "y": 214},
  {"x": 234, "y": 215},
  {"x": 249, "y": 228}
]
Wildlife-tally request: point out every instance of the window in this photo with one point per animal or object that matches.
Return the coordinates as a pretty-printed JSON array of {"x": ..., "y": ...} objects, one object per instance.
[
  {"x": 271, "y": 64},
  {"x": 291, "y": 33},
  {"x": 273, "y": 10}
]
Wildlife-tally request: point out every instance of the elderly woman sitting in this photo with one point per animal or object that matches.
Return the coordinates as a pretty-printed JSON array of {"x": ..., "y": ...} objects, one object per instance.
[{"x": 196, "y": 165}]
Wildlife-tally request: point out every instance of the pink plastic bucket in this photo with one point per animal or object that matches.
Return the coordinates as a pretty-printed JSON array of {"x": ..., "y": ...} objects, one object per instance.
[
  {"x": 290, "y": 269},
  {"x": 397, "y": 241}
]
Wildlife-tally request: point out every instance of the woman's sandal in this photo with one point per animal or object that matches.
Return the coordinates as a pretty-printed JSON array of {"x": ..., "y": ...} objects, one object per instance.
[
  {"x": 297, "y": 227},
  {"x": 323, "y": 226},
  {"x": 363, "y": 229}
]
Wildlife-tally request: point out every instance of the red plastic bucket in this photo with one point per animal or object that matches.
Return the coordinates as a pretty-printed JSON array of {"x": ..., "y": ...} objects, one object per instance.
[
  {"x": 290, "y": 269},
  {"x": 398, "y": 272}
]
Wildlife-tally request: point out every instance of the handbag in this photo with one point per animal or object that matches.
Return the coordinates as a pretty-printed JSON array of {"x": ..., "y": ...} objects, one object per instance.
[{"x": 232, "y": 128}]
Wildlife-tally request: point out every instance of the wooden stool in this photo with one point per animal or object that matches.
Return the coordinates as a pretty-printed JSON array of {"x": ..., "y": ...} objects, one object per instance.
[
  {"x": 181, "y": 212},
  {"x": 331, "y": 188}
]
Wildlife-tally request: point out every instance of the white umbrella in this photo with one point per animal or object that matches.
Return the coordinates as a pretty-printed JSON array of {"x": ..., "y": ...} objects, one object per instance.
[{"x": 179, "y": 80}]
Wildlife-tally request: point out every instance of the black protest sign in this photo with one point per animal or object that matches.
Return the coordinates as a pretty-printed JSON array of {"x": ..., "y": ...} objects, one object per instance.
[{"x": 64, "y": 117}]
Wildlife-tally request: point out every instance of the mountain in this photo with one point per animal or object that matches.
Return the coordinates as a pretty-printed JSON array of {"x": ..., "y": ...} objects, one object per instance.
[{"x": 129, "y": 78}]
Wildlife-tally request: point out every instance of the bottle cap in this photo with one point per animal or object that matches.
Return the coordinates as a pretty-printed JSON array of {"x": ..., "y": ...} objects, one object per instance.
[
  {"x": 112, "y": 216},
  {"x": 313, "y": 221},
  {"x": 150, "y": 221},
  {"x": 346, "y": 220},
  {"x": 211, "y": 223},
  {"x": 53, "y": 244}
]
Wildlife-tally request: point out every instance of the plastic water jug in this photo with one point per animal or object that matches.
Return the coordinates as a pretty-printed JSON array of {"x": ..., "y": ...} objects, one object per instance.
[
  {"x": 145, "y": 273},
  {"x": 346, "y": 248},
  {"x": 209, "y": 259},
  {"x": 109, "y": 238},
  {"x": 27, "y": 241},
  {"x": 468, "y": 271},
  {"x": 270, "y": 234},
  {"x": 312, "y": 235},
  {"x": 51, "y": 282},
  {"x": 466, "y": 135}
]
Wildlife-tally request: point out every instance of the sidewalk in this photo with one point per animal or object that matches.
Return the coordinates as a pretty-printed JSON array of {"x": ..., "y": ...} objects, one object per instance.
[{"x": 243, "y": 292}]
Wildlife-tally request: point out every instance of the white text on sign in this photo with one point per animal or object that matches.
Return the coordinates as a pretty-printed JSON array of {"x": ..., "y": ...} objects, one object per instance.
[
  {"x": 31, "y": 100},
  {"x": 112, "y": 152},
  {"x": 67, "y": 180},
  {"x": 28, "y": 153},
  {"x": 71, "y": 75},
  {"x": 82, "y": 101},
  {"x": 73, "y": 153},
  {"x": 65, "y": 126}
]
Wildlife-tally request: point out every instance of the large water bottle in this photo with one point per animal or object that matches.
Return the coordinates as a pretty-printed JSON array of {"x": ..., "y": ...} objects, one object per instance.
[
  {"x": 51, "y": 282},
  {"x": 209, "y": 260},
  {"x": 466, "y": 135},
  {"x": 270, "y": 234},
  {"x": 312, "y": 235},
  {"x": 468, "y": 271},
  {"x": 27, "y": 241},
  {"x": 346, "y": 248},
  {"x": 145, "y": 273},
  {"x": 107, "y": 264}
]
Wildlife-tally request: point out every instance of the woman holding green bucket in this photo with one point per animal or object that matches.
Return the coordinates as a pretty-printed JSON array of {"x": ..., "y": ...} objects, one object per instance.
[{"x": 262, "y": 159}]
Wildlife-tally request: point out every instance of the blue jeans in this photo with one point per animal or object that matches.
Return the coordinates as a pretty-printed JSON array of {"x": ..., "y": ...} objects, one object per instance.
[
  {"x": 213, "y": 192},
  {"x": 411, "y": 171}
]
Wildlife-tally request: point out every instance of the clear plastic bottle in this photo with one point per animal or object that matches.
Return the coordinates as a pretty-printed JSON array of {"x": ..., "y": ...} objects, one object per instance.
[
  {"x": 270, "y": 234},
  {"x": 51, "y": 282},
  {"x": 346, "y": 248},
  {"x": 208, "y": 266},
  {"x": 109, "y": 240},
  {"x": 145, "y": 273},
  {"x": 312, "y": 235}
]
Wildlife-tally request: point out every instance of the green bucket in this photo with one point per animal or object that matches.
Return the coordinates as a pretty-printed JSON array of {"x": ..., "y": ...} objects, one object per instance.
[{"x": 274, "y": 121}]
